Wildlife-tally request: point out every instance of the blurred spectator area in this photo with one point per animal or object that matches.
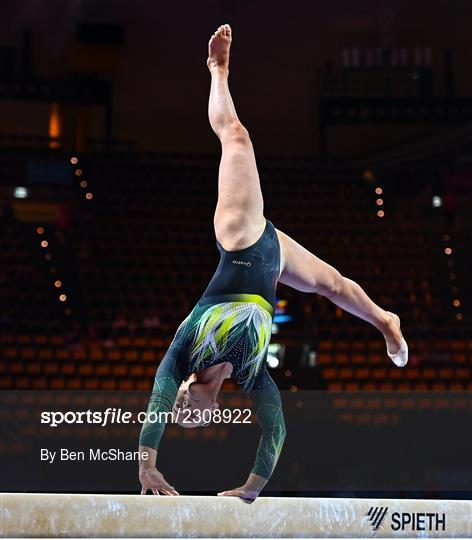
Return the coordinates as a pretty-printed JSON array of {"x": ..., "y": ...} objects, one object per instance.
[{"x": 130, "y": 248}]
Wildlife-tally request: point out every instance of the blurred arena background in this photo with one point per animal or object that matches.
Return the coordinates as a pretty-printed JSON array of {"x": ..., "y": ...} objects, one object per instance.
[{"x": 360, "y": 114}]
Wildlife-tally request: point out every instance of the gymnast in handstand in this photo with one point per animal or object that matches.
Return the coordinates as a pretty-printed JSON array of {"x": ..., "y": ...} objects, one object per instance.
[{"x": 227, "y": 333}]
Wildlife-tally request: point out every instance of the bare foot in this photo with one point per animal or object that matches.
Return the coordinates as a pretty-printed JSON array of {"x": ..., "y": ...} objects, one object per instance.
[
  {"x": 393, "y": 335},
  {"x": 218, "y": 48}
]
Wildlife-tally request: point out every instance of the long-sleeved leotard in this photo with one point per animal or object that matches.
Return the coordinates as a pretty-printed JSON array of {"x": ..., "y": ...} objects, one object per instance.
[
  {"x": 239, "y": 336},
  {"x": 232, "y": 322}
]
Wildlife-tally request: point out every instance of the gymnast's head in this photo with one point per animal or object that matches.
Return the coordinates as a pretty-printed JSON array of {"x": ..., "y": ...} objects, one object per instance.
[{"x": 196, "y": 397}]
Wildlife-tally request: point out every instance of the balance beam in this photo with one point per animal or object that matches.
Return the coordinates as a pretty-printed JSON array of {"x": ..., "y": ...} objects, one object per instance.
[{"x": 58, "y": 515}]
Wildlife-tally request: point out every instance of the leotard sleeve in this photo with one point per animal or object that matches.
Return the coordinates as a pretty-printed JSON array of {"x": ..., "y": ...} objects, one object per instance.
[
  {"x": 168, "y": 378},
  {"x": 267, "y": 405}
]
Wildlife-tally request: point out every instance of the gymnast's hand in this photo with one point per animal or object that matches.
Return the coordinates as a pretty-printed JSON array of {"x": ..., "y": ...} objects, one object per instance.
[
  {"x": 152, "y": 479},
  {"x": 250, "y": 491},
  {"x": 248, "y": 495}
]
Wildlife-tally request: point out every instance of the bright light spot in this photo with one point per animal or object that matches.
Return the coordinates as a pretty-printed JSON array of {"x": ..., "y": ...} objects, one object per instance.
[
  {"x": 89, "y": 196},
  {"x": 274, "y": 348},
  {"x": 437, "y": 201},
  {"x": 294, "y": 388},
  {"x": 62, "y": 297},
  {"x": 78, "y": 172},
  {"x": 83, "y": 184},
  {"x": 54, "y": 125},
  {"x": 312, "y": 359},
  {"x": 20, "y": 192},
  {"x": 378, "y": 190},
  {"x": 44, "y": 244},
  {"x": 275, "y": 328},
  {"x": 57, "y": 284},
  {"x": 381, "y": 213},
  {"x": 40, "y": 230},
  {"x": 74, "y": 160},
  {"x": 448, "y": 251},
  {"x": 379, "y": 202},
  {"x": 456, "y": 303},
  {"x": 273, "y": 361}
]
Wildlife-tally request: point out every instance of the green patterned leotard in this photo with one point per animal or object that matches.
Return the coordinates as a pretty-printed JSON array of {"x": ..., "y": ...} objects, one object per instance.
[{"x": 232, "y": 322}]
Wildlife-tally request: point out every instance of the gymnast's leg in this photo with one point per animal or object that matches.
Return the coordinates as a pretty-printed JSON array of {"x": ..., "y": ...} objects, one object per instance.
[
  {"x": 239, "y": 218},
  {"x": 307, "y": 273}
]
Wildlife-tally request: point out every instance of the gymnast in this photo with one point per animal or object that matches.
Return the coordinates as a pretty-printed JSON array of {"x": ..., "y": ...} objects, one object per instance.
[{"x": 227, "y": 333}]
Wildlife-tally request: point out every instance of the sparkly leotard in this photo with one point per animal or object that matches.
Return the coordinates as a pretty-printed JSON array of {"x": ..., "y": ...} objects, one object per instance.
[{"x": 232, "y": 322}]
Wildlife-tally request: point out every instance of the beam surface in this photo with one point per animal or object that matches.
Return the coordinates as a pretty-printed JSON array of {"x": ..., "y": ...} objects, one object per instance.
[{"x": 74, "y": 515}]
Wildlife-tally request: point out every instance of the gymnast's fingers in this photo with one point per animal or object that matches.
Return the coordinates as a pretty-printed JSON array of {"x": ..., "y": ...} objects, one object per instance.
[
  {"x": 164, "y": 484},
  {"x": 170, "y": 492},
  {"x": 231, "y": 493},
  {"x": 245, "y": 495}
]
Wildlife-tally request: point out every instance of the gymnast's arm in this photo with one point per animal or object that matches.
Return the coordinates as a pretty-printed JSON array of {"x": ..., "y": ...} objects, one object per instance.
[
  {"x": 267, "y": 405},
  {"x": 164, "y": 392}
]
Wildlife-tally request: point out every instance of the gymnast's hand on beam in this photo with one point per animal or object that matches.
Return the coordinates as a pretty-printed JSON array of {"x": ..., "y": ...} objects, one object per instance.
[
  {"x": 152, "y": 479},
  {"x": 248, "y": 495},
  {"x": 250, "y": 491}
]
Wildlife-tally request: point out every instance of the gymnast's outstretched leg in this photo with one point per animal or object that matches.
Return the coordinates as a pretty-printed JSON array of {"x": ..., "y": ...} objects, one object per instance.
[
  {"x": 239, "y": 218},
  {"x": 307, "y": 273}
]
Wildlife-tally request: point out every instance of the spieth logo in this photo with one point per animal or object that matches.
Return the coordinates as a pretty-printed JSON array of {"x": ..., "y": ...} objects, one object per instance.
[
  {"x": 376, "y": 515},
  {"x": 406, "y": 521},
  {"x": 242, "y": 263}
]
